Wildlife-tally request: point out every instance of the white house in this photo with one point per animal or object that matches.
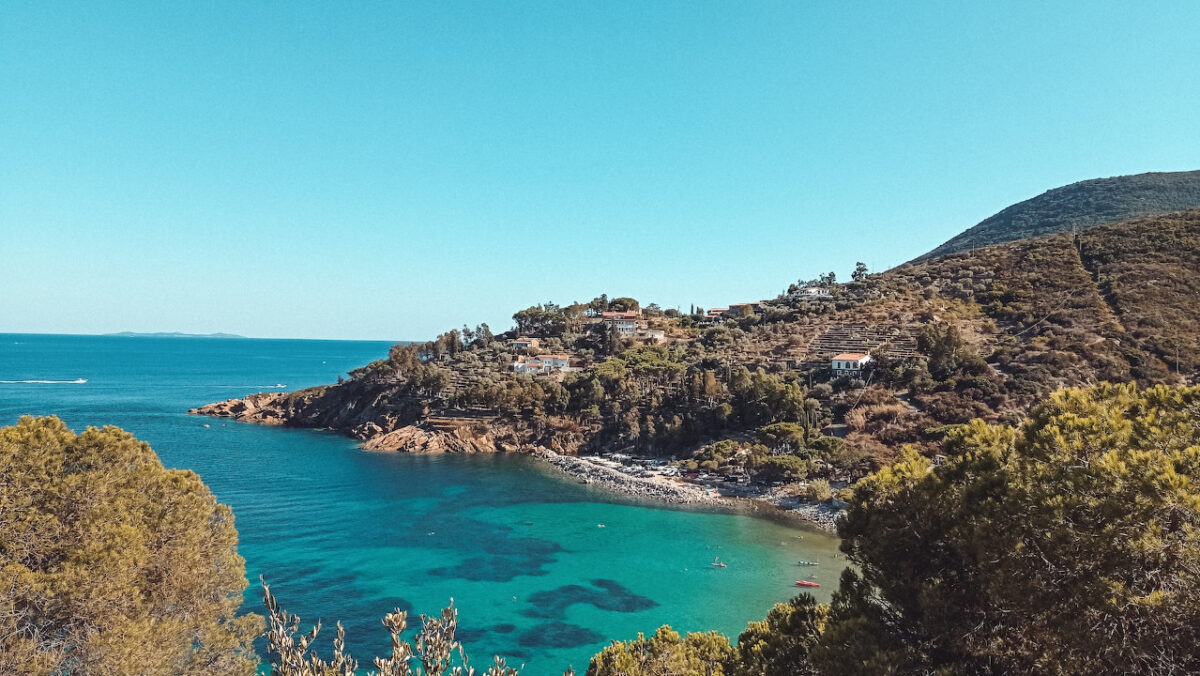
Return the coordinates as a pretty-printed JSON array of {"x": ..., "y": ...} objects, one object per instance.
[
  {"x": 811, "y": 292},
  {"x": 849, "y": 363},
  {"x": 652, "y": 335},
  {"x": 544, "y": 363},
  {"x": 555, "y": 362},
  {"x": 626, "y": 323}
]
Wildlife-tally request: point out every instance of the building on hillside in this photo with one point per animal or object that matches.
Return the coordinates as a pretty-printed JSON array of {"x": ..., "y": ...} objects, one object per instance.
[
  {"x": 716, "y": 312},
  {"x": 811, "y": 292},
  {"x": 543, "y": 364},
  {"x": 525, "y": 344},
  {"x": 651, "y": 335},
  {"x": 625, "y": 323},
  {"x": 741, "y": 309},
  {"x": 849, "y": 363}
]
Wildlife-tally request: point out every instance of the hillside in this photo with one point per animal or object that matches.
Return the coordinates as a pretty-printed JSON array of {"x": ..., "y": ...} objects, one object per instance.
[
  {"x": 986, "y": 333},
  {"x": 1081, "y": 205}
]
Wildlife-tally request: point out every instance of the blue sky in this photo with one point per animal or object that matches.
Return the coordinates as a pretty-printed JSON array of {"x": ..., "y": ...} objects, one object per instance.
[{"x": 390, "y": 170}]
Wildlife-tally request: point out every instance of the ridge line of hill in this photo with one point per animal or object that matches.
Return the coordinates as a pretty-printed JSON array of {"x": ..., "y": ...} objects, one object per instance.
[
  {"x": 1079, "y": 206},
  {"x": 757, "y": 396}
]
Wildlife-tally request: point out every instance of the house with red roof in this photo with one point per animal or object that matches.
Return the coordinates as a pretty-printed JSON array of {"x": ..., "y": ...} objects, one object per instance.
[{"x": 849, "y": 363}]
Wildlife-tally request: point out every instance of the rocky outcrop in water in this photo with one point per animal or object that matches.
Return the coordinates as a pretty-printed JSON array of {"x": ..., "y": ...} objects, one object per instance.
[
  {"x": 384, "y": 421},
  {"x": 420, "y": 439},
  {"x": 347, "y": 408}
]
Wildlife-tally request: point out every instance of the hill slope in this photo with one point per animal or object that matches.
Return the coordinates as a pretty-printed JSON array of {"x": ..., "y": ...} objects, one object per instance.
[
  {"x": 982, "y": 334},
  {"x": 1081, "y": 205}
]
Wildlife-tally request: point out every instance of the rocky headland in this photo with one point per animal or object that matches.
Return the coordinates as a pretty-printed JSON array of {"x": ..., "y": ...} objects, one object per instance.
[{"x": 410, "y": 429}]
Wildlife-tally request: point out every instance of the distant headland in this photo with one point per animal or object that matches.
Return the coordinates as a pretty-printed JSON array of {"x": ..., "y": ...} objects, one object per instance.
[{"x": 172, "y": 334}]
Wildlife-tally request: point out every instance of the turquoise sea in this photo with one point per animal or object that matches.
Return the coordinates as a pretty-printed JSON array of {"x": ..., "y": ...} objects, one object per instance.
[{"x": 344, "y": 534}]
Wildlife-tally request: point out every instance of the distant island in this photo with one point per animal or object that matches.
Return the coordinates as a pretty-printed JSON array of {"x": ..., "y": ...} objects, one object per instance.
[{"x": 172, "y": 334}]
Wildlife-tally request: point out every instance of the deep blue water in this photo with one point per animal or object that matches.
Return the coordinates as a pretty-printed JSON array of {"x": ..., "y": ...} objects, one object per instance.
[{"x": 344, "y": 534}]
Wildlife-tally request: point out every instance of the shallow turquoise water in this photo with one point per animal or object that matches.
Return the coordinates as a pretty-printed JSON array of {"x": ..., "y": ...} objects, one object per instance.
[{"x": 346, "y": 534}]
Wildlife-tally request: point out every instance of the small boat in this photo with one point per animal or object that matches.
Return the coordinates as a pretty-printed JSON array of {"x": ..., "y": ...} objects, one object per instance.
[
  {"x": 806, "y": 583},
  {"x": 718, "y": 563},
  {"x": 807, "y": 563}
]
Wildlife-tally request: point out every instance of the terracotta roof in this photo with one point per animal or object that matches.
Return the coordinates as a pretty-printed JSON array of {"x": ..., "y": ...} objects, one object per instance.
[
  {"x": 554, "y": 356},
  {"x": 850, "y": 356}
]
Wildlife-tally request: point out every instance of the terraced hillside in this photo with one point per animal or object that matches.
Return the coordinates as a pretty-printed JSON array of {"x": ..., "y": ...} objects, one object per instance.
[{"x": 1081, "y": 205}]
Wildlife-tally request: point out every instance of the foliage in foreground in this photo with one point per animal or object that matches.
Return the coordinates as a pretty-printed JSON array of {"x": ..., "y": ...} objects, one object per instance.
[
  {"x": 665, "y": 653},
  {"x": 435, "y": 651},
  {"x": 112, "y": 564},
  {"x": 1069, "y": 545}
]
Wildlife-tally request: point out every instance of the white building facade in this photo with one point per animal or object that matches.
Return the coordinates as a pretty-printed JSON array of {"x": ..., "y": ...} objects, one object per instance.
[{"x": 849, "y": 363}]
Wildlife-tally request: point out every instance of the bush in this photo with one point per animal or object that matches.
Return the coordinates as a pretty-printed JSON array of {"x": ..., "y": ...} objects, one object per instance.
[
  {"x": 663, "y": 654},
  {"x": 783, "y": 468},
  {"x": 817, "y": 490}
]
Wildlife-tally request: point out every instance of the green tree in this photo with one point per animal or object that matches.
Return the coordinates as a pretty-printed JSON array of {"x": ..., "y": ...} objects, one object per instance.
[
  {"x": 112, "y": 564},
  {"x": 783, "y": 468},
  {"x": 624, "y": 304},
  {"x": 780, "y": 644},
  {"x": 783, "y": 435},
  {"x": 1068, "y": 546},
  {"x": 948, "y": 352},
  {"x": 717, "y": 338},
  {"x": 860, "y": 272},
  {"x": 664, "y": 654}
]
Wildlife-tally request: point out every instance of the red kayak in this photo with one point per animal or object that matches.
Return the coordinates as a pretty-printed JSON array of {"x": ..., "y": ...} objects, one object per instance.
[{"x": 805, "y": 583}]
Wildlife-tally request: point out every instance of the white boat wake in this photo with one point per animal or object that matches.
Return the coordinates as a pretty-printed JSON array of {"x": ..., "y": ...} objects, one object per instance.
[{"x": 77, "y": 381}]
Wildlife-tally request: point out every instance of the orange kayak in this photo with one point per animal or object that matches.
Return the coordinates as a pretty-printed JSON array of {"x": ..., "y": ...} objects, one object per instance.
[{"x": 805, "y": 583}]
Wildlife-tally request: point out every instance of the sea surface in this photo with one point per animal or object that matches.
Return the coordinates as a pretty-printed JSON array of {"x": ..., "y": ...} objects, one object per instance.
[{"x": 544, "y": 570}]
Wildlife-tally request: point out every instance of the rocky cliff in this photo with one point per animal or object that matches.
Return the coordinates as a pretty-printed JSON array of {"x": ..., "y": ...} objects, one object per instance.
[{"x": 385, "y": 421}]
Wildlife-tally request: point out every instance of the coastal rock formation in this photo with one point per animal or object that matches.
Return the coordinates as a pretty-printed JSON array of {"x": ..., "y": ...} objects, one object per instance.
[
  {"x": 257, "y": 408},
  {"x": 419, "y": 439},
  {"x": 383, "y": 421},
  {"x": 360, "y": 410}
]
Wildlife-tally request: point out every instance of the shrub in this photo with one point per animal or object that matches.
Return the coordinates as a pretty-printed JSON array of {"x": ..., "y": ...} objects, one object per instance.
[{"x": 817, "y": 490}]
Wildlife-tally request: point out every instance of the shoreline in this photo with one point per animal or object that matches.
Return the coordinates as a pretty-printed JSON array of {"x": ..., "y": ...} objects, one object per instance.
[
  {"x": 768, "y": 504},
  {"x": 762, "y": 501}
]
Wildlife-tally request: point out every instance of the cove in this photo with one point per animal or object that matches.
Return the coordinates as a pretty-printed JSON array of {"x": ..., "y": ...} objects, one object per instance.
[{"x": 345, "y": 534}]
